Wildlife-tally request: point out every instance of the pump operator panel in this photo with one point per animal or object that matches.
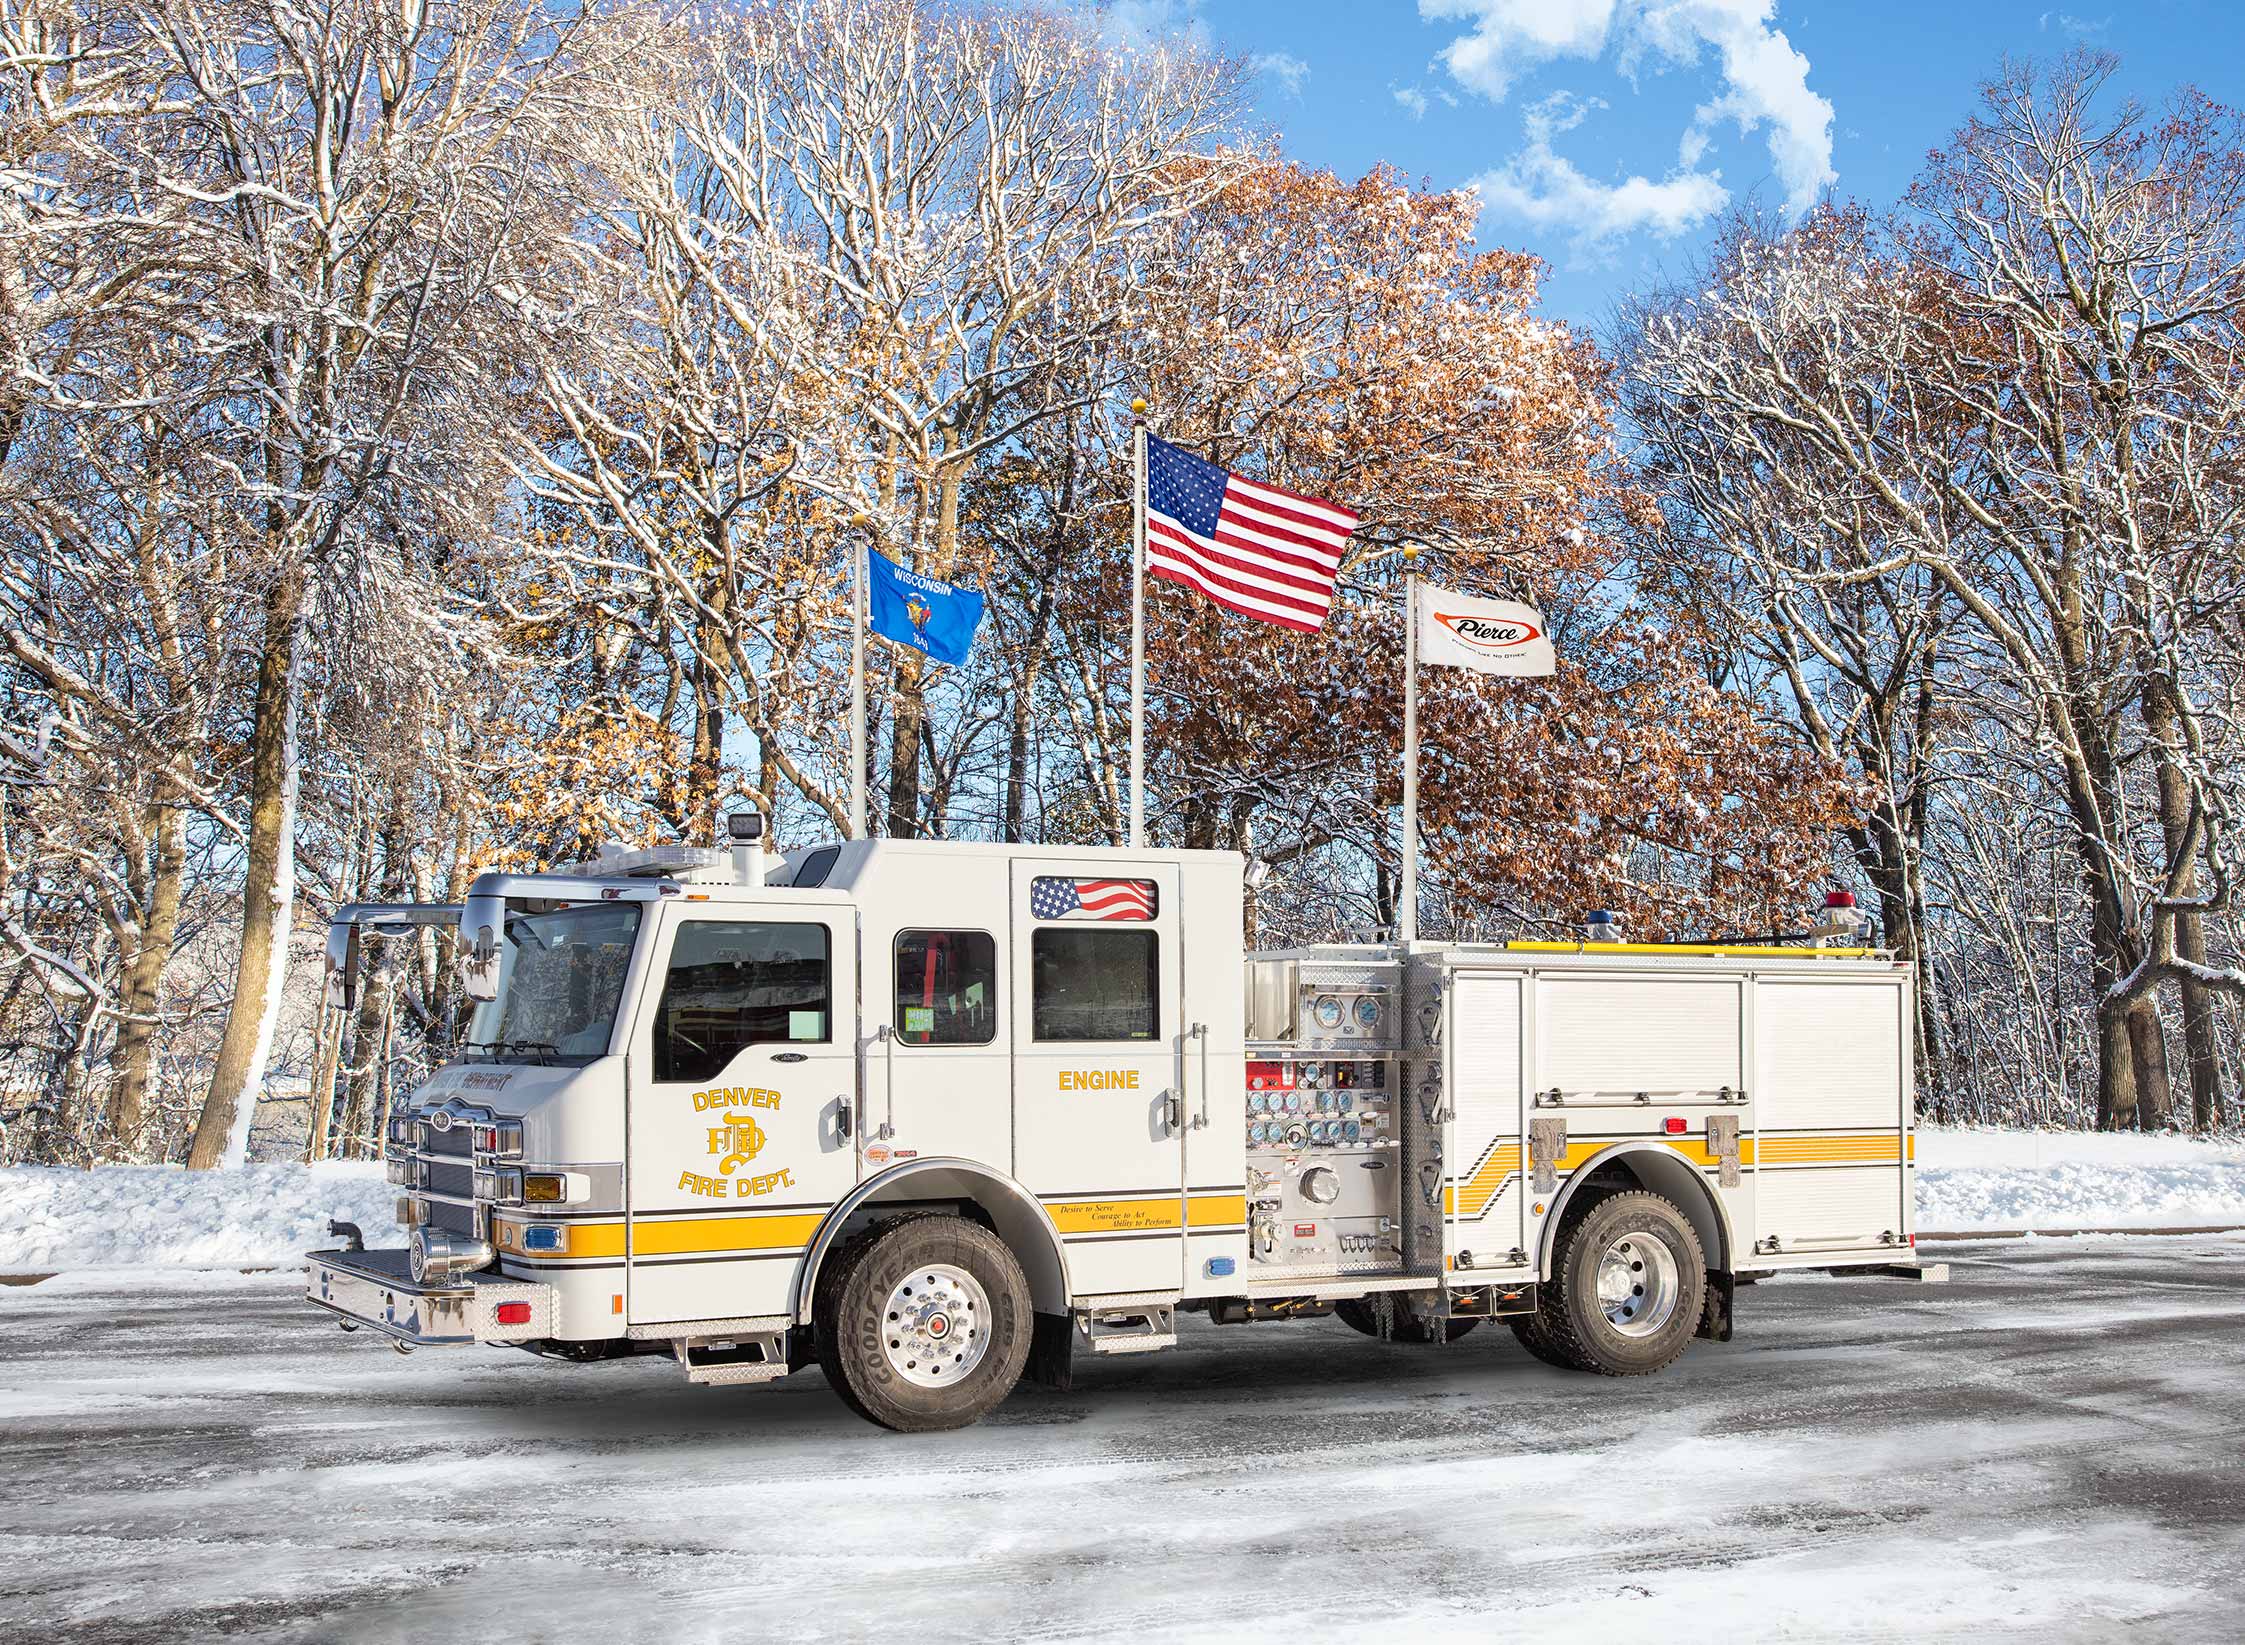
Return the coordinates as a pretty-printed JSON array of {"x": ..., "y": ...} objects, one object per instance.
[{"x": 1323, "y": 1156}]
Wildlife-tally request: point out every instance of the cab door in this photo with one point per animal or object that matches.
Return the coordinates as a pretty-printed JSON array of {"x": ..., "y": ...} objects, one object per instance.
[
  {"x": 742, "y": 1084},
  {"x": 1099, "y": 1095}
]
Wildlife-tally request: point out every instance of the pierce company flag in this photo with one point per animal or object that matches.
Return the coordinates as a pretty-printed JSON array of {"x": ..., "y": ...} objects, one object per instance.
[
  {"x": 1250, "y": 547},
  {"x": 1489, "y": 636}
]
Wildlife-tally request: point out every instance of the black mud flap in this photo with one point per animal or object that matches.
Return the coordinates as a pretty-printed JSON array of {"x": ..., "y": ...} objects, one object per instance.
[
  {"x": 1052, "y": 1346},
  {"x": 1715, "y": 1318}
]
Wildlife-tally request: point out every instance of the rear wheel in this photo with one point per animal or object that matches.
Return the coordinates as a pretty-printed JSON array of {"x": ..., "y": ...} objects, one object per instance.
[
  {"x": 925, "y": 1323},
  {"x": 1361, "y": 1315},
  {"x": 1628, "y": 1284}
]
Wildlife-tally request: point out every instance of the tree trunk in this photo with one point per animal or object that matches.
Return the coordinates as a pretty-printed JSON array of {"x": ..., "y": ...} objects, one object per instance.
[
  {"x": 2201, "y": 1035},
  {"x": 135, "y": 1053},
  {"x": 328, "y": 1052},
  {"x": 366, "y": 1057},
  {"x": 2116, "y": 1079},
  {"x": 2147, "y": 1043},
  {"x": 909, "y": 705},
  {"x": 268, "y": 890}
]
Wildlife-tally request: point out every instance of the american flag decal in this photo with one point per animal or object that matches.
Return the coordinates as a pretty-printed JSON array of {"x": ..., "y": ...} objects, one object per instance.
[
  {"x": 1250, "y": 547},
  {"x": 1059, "y": 897}
]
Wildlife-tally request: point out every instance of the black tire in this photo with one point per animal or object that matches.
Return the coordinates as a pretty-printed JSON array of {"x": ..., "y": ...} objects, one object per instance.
[
  {"x": 1528, "y": 1330},
  {"x": 1573, "y": 1323},
  {"x": 1359, "y": 1315},
  {"x": 854, "y": 1329}
]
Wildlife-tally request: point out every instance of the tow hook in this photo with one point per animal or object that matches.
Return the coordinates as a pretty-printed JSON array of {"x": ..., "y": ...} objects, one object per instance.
[{"x": 401, "y": 1347}]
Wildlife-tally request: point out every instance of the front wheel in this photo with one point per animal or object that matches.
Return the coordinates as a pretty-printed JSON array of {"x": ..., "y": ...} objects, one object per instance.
[
  {"x": 1628, "y": 1283},
  {"x": 927, "y": 1324}
]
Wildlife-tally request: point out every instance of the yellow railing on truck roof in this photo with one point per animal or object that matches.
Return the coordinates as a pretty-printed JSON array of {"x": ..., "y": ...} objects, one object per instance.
[{"x": 1712, "y": 950}]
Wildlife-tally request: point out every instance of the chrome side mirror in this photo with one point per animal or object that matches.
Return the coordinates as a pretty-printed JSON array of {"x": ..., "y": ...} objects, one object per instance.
[
  {"x": 480, "y": 929},
  {"x": 340, "y": 975}
]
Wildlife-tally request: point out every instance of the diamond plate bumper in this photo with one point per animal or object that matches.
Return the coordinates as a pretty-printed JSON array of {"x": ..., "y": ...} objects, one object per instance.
[{"x": 376, "y": 1289}]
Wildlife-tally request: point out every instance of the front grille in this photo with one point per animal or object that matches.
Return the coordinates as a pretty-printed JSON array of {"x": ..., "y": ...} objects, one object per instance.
[
  {"x": 457, "y": 1143},
  {"x": 453, "y": 1219},
  {"x": 451, "y": 1179}
]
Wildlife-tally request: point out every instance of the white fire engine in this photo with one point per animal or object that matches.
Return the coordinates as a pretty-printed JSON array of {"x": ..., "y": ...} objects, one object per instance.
[{"x": 935, "y": 1116}]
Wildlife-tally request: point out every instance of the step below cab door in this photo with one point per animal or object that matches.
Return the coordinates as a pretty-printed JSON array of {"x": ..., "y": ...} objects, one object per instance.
[
  {"x": 1099, "y": 1067},
  {"x": 743, "y": 1083}
]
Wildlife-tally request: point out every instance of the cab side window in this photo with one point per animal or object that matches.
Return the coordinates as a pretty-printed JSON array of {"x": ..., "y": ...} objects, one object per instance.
[
  {"x": 1095, "y": 984},
  {"x": 946, "y": 987},
  {"x": 737, "y": 983}
]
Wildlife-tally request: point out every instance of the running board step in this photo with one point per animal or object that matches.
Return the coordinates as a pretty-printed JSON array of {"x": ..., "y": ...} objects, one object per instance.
[
  {"x": 748, "y": 1358},
  {"x": 1135, "y": 1328}
]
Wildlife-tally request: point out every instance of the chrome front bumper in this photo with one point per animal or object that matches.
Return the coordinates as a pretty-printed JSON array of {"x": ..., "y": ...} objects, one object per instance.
[{"x": 376, "y": 1289}]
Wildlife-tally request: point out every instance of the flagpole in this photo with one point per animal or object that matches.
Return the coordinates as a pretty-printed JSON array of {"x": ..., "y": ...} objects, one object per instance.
[
  {"x": 1138, "y": 624},
  {"x": 861, "y": 537},
  {"x": 1408, "y": 915}
]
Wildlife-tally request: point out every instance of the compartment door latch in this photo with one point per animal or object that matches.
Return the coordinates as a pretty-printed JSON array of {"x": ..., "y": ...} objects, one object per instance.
[
  {"x": 1547, "y": 1146},
  {"x": 1722, "y": 1142}
]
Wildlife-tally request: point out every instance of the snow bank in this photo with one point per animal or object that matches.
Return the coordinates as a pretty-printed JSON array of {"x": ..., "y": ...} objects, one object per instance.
[
  {"x": 268, "y": 1215},
  {"x": 136, "y": 1215},
  {"x": 2072, "y": 1179}
]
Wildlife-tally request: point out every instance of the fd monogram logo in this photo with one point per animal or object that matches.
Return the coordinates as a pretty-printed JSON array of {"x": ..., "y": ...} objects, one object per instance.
[{"x": 736, "y": 1142}]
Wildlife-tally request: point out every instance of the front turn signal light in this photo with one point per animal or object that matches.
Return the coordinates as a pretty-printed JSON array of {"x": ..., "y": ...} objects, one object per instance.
[{"x": 544, "y": 1187}]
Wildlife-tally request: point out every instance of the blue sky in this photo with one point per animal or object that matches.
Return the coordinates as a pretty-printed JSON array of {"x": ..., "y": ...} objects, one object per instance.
[{"x": 1605, "y": 133}]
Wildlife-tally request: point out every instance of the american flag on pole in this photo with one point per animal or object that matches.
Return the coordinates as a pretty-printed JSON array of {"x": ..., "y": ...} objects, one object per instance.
[
  {"x": 1250, "y": 547},
  {"x": 1053, "y": 897}
]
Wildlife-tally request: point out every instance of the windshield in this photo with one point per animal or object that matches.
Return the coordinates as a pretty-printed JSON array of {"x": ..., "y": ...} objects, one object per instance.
[{"x": 561, "y": 977}]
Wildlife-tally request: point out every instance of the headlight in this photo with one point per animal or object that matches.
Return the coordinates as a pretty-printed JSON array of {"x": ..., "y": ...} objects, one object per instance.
[{"x": 499, "y": 1185}]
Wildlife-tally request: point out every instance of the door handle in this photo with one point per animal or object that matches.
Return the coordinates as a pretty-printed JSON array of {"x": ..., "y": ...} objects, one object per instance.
[
  {"x": 1173, "y": 1112},
  {"x": 844, "y": 1121}
]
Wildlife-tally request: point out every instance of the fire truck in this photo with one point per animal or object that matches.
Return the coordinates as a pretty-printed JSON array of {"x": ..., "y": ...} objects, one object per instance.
[{"x": 937, "y": 1116}]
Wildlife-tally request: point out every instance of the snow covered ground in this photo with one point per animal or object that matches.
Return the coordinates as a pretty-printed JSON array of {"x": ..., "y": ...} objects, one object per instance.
[
  {"x": 266, "y": 1215},
  {"x": 2059, "y": 1179},
  {"x": 128, "y": 1215},
  {"x": 2043, "y": 1450}
]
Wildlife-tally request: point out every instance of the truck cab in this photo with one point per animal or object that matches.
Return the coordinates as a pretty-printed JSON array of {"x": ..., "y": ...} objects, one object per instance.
[{"x": 694, "y": 1077}]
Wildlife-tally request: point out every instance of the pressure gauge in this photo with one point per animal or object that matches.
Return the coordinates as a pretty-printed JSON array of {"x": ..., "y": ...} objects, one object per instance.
[
  {"x": 1309, "y": 1074},
  {"x": 1256, "y": 1102},
  {"x": 1367, "y": 1012},
  {"x": 1325, "y": 1011},
  {"x": 1345, "y": 1100},
  {"x": 1350, "y": 1130}
]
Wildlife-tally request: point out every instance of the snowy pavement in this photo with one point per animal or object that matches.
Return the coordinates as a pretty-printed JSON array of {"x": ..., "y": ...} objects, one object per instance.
[{"x": 2045, "y": 1449}]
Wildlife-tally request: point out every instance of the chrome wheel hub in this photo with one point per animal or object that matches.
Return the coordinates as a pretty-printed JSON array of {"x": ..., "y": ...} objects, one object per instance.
[
  {"x": 935, "y": 1327},
  {"x": 1638, "y": 1283}
]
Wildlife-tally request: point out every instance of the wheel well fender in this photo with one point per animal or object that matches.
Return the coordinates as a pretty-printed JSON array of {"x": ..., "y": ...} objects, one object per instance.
[
  {"x": 1011, "y": 1211},
  {"x": 1656, "y": 1167}
]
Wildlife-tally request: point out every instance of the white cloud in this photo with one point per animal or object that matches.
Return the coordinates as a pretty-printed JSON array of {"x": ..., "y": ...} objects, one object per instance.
[
  {"x": 1284, "y": 67},
  {"x": 1543, "y": 188},
  {"x": 1765, "y": 81},
  {"x": 2074, "y": 28},
  {"x": 1413, "y": 100}
]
